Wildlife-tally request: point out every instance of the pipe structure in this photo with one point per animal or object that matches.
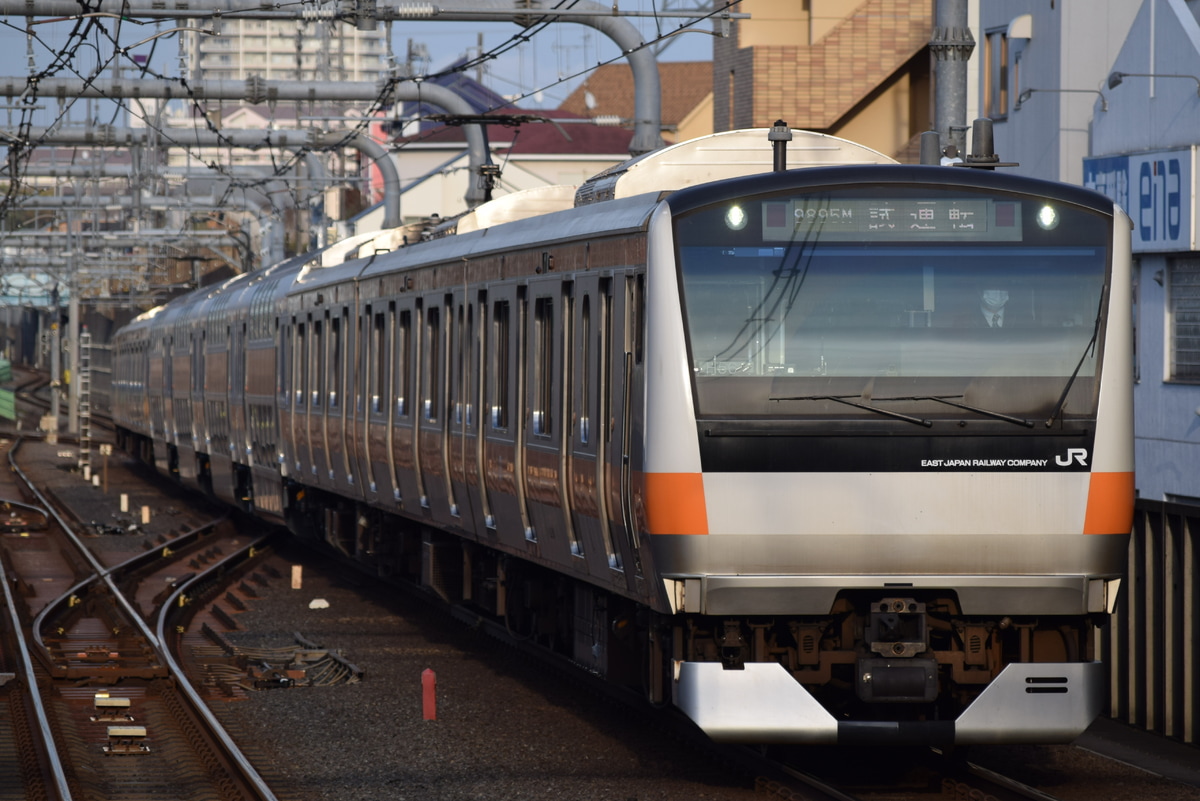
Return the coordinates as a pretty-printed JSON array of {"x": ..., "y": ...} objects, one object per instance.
[
  {"x": 647, "y": 128},
  {"x": 647, "y": 91},
  {"x": 952, "y": 44},
  {"x": 264, "y": 197},
  {"x": 257, "y": 90},
  {"x": 253, "y": 9},
  {"x": 109, "y": 136}
]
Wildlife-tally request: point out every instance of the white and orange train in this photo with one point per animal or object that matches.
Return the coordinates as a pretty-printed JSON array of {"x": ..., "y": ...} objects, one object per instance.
[{"x": 839, "y": 453}]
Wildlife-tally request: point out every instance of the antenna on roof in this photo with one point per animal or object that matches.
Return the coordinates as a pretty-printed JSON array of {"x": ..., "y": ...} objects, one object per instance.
[{"x": 779, "y": 136}]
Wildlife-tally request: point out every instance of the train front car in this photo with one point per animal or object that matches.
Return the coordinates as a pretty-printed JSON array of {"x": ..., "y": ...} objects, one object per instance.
[{"x": 888, "y": 452}]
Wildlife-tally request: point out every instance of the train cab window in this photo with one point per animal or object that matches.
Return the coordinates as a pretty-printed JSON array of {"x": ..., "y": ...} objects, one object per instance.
[
  {"x": 402, "y": 389},
  {"x": 542, "y": 392},
  {"x": 498, "y": 365},
  {"x": 908, "y": 299},
  {"x": 429, "y": 364}
]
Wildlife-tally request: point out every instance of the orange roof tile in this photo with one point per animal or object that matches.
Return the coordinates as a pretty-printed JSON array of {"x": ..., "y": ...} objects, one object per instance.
[{"x": 684, "y": 85}]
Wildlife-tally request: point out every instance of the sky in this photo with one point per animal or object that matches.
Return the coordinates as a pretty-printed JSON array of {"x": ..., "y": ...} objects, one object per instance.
[{"x": 554, "y": 61}]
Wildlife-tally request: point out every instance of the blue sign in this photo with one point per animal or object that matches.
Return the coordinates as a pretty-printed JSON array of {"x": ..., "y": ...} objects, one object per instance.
[{"x": 1155, "y": 189}]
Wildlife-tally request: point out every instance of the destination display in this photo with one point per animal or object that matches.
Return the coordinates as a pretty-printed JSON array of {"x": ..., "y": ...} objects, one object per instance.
[{"x": 862, "y": 220}]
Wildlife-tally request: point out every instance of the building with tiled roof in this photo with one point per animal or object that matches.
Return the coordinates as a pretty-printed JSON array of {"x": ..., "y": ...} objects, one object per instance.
[
  {"x": 433, "y": 166},
  {"x": 858, "y": 69},
  {"x": 686, "y": 97}
]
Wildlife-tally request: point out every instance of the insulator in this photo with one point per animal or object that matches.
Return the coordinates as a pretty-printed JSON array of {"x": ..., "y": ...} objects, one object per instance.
[{"x": 414, "y": 11}]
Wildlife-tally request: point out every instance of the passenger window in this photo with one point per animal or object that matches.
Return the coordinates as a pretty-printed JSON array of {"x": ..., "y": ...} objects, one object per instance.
[
  {"x": 499, "y": 365},
  {"x": 403, "y": 376},
  {"x": 543, "y": 366},
  {"x": 429, "y": 371}
]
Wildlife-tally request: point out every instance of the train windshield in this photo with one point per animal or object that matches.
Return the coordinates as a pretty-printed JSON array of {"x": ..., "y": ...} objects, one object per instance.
[{"x": 911, "y": 299}]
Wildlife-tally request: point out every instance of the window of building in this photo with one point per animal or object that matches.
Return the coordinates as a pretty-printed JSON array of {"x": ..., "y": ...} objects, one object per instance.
[
  {"x": 1185, "y": 319},
  {"x": 995, "y": 77}
]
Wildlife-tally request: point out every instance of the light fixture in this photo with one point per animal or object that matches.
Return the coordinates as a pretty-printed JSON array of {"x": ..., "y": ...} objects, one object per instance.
[
  {"x": 1047, "y": 218},
  {"x": 1115, "y": 78},
  {"x": 1025, "y": 95},
  {"x": 735, "y": 218}
]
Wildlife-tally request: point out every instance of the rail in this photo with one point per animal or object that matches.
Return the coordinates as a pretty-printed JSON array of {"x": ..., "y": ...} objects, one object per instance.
[{"x": 160, "y": 656}]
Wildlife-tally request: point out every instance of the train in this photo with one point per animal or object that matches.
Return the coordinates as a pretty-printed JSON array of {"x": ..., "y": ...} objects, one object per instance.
[{"x": 820, "y": 449}]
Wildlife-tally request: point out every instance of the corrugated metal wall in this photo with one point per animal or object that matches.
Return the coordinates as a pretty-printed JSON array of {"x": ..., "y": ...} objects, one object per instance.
[{"x": 1153, "y": 644}]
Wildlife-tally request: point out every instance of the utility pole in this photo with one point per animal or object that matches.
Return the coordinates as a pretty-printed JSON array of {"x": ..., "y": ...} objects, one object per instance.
[{"x": 952, "y": 44}]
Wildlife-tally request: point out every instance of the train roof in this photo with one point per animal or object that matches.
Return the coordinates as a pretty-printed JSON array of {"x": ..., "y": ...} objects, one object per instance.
[
  {"x": 716, "y": 157},
  {"x": 619, "y": 199}
]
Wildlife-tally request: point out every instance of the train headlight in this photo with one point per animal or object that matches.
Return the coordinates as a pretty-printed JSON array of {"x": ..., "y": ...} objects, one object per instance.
[
  {"x": 736, "y": 218},
  {"x": 1047, "y": 218}
]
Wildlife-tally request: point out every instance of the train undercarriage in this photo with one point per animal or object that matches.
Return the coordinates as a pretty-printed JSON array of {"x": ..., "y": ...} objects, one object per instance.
[{"x": 901, "y": 660}]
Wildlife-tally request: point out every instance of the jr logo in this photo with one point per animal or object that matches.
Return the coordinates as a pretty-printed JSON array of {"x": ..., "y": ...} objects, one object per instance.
[{"x": 1073, "y": 455}]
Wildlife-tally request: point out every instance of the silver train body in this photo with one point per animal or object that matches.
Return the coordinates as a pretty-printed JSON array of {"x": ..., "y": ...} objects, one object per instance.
[{"x": 836, "y": 454}]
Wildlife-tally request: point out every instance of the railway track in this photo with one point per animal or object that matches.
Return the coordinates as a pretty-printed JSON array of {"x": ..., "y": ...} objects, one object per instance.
[
  {"x": 201, "y": 602},
  {"x": 98, "y": 706}
]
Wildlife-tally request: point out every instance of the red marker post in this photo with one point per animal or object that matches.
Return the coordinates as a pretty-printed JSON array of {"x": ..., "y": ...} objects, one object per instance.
[{"x": 429, "y": 694}]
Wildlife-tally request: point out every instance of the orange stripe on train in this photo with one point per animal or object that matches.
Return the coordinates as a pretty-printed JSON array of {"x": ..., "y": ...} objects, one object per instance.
[
  {"x": 675, "y": 503},
  {"x": 1109, "y": 504}
]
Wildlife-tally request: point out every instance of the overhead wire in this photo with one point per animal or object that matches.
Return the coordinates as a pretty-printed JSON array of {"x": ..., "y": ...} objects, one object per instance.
[{"x": 91, "y": 24}]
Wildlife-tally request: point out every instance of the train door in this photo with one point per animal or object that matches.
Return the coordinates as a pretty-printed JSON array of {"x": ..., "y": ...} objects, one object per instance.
[
  {"x": 199, "y": 420},
  {"x": 239, "y": 437},
  {"x": 589, "y": 444},
  {"x": 317, "y": 400},
  {"x": 504, "y": 373},
  {"x": 156, "y": 391},
  {"x": 285, "y": 339},
  {"x": 372, "y": 405},
  {"x": 623, "y": 363},
  {"x": 338, "y": 435},
  {"x": 546, "y": 354},
  {"x": 301, "y": 361},
  {"x": 477, "y": 486},
  {"x": 406, "y": 351},
  {"x": 464, "y": 412},
  {"x": 432, "y": 426},
  {"x": 168, "y": 363},
  {"x": 181, "y": 393}
]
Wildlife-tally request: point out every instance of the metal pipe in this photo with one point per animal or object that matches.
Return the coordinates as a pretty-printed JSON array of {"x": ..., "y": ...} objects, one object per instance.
[
  {"x": 951, "y": 44},
  {"x": 647, "y": 133},
  {"x": 108, "y": 136}
]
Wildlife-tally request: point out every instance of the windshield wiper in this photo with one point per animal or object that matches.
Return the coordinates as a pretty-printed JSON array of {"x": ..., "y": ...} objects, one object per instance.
[
  {"x": 1091, "y": 345},
  {"x": 945, "y": 399},
  {"x": 842, "y": 399}
]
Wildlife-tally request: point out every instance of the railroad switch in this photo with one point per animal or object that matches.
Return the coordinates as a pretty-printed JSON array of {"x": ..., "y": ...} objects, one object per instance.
[
  {"x": 97, "y": 653},
  {"x": 126, "y": 740},
  {"x": 111, "y": 710}
]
